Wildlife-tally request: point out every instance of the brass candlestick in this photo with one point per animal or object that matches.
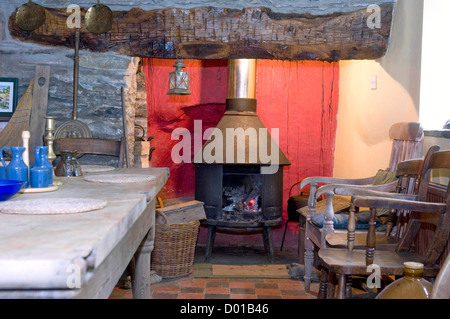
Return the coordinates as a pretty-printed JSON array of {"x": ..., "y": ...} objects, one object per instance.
[{"x": 49, "y": 138}]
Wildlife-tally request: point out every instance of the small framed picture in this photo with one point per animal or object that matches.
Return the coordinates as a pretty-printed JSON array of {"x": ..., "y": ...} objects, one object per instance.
[{"x": 8, "y": 96}]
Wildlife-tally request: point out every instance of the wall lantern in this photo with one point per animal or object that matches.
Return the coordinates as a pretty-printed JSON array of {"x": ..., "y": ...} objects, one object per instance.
[{"x": 179, "y": 80}]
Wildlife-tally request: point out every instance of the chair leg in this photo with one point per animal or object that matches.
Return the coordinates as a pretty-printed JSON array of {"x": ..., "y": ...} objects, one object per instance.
[
  {"x": 323, "y": 287},
  {"x": 301, "y": 245},
  {"x": 348, "y": 287},
  {"x": 309, "y": 261},
  {"x": 331, "y": 285},
  {"x": 284, "y": 234},
  {"x": 342, "y": 286}
]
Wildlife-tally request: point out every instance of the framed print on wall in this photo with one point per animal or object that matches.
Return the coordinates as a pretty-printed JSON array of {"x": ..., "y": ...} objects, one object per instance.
[{"x": 8, "y": 96}]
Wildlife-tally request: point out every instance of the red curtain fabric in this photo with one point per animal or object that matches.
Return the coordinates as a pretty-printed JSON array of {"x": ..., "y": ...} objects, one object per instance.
[{"x": 300, "y": 98}]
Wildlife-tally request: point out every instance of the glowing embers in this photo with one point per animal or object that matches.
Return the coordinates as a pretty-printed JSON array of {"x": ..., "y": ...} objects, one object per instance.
[{"x": 242, "y": 198}]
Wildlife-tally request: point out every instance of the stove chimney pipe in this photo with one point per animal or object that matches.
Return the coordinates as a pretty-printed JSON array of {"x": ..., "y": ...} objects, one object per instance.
[{"x": 241, "y": 78}]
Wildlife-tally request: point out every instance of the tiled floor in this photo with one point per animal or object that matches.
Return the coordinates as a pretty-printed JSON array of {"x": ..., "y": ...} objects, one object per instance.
[
  {"x": 189, "y": 287},
  {"x": 222, "y": 288}
]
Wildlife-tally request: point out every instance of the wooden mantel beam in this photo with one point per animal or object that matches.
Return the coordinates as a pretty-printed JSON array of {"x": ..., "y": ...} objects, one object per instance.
[{"x": 218, "y": 33}]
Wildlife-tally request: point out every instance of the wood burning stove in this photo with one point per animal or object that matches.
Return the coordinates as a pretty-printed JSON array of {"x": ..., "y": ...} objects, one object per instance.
[{"x": 238, "y": 194}]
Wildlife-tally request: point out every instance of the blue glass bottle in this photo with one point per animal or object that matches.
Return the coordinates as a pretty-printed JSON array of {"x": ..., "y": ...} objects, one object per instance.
[{"x": 17, "y": 169}]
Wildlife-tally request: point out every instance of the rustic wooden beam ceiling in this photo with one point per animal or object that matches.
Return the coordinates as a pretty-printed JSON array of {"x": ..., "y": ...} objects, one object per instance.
[{"x": 218, "y": 33}]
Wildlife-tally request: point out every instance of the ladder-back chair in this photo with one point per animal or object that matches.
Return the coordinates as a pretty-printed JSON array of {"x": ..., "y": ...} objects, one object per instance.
[
  {"x": 94, "y": 146},
  {"x": 424, "y": 214},
  {"x": 407, "y": 142}
]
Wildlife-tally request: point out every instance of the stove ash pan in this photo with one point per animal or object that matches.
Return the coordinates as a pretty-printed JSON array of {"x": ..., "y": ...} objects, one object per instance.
[{"x": 239, "y": 196}]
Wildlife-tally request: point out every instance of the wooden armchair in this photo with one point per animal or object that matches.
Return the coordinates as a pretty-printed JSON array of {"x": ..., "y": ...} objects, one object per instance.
[
  {"x": 95, "y": 146},
  {"x": 430, "y": 214},
  {"x": 407, "y": 144}
]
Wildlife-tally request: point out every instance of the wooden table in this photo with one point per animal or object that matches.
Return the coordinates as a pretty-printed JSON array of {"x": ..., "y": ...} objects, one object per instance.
[{"x": 81, "y": 255}]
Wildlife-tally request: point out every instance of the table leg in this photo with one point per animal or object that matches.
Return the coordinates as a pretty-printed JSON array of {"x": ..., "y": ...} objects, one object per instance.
[{"x": 140, "y": 280}]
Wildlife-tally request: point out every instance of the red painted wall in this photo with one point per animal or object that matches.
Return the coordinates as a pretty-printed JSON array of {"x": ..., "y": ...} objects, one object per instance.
[{"x": 298, "y": 97}]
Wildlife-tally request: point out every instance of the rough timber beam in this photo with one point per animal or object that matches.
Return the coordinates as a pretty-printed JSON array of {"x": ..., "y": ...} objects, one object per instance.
[{"x": 218, "y": 33}]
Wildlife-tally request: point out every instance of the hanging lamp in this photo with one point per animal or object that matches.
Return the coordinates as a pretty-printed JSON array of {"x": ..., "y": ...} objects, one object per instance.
[{"x": 179, "y": 80}]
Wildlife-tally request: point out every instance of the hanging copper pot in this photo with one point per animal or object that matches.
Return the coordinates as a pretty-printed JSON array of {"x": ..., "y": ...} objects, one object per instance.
[
  {"x": 99, "y": 18},
  {"x": 30, "y": 16}
]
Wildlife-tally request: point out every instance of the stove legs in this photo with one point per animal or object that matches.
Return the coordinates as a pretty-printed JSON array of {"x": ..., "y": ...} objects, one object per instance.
[
  {"x": 267, "y": 239},
  {"x": 210, "y": 241}
]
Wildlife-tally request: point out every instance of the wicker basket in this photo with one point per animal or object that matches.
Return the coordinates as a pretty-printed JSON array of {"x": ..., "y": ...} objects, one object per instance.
[{"x": 173, "y": 254}]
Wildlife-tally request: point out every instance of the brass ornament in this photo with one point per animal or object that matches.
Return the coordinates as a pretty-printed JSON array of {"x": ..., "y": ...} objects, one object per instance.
[
  {"x": 99, "y": 18},
  {"x": 30, "y": 16}
]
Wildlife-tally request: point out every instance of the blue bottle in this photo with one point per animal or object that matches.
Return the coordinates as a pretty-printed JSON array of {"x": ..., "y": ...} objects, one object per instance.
[
  {"x": 41, "y": 160},
  {"x": 46, "y": 163},
  {"x": 17, "y": 169}
]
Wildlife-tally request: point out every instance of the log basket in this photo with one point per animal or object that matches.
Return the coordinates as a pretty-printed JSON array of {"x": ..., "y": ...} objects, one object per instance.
[{"x": 173, "y": 254}]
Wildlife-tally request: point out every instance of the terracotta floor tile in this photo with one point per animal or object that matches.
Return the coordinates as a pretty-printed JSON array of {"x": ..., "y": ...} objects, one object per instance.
[
  {"x": 191, "y": 290},
  {"x": 268, "y": 297},
  {"x": 247, "y": 291},
  {"x": 292, "y": 285},
  {"x": 295, "y": 297},
  {"x": 240, "y": 284},
  {"x": 266, "y": 285},
  {"x": 217, "y": 284},
  {"x": 254, "y": 280},
  {"x": 217, "y": 290},
  {"x": 217, "y": 296},
  {"x": 167, "y": 289},
  {"x": 217, "y": 280},
  {"x": 193, "y": 284},
  {"x": 190, "y": 296},
  {"x": 267, "y": 292},
  {"x": 242, "y": 296}
]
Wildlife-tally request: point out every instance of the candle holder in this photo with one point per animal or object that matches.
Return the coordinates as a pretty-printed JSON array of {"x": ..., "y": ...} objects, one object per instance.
[{"x": 49, "y": 138}]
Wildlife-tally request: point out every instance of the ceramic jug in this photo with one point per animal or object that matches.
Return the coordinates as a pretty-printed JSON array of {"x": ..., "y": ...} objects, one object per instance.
[
  {"x": 411, "y": 286},
  {"x": 41, "y": 160},
  {"x": 69, "y": 166},
  {"x": 17, "y": 169}
]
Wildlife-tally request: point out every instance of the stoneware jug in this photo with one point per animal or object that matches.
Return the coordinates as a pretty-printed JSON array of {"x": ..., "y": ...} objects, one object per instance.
[
  {"x": 411, "y": 286},
  {"x": 17, "y": 169}
]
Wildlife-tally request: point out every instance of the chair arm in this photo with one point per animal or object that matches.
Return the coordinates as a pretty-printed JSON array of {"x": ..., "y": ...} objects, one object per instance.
[
  {"x": 332, "y": 180},
  {"x": 393, "y": 203},
  {"x": 385, "y": 190}
]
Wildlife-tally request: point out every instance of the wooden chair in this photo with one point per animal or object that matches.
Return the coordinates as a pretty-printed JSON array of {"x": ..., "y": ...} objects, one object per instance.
[
  {"x": 407, "y": 144},
  {"x": 95, "y": 146},
  {"x": 426, "y": 214}
]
